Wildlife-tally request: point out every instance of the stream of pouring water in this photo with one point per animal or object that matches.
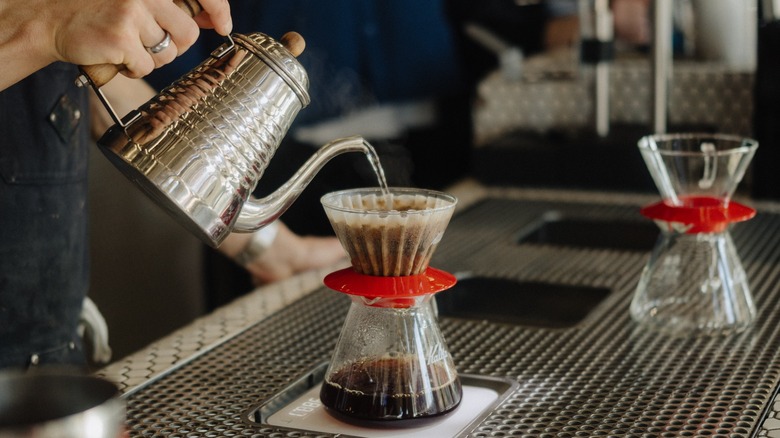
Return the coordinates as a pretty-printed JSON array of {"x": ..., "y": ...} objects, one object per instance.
[{"x": 373, "y": 159}]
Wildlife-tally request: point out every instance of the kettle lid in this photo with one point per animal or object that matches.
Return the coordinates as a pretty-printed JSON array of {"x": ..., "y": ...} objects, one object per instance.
[{"x": 279, "y": 59}]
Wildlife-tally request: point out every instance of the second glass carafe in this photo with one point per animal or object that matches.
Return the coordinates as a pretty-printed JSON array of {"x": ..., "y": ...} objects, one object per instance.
[{"x": 694, "y": 282}]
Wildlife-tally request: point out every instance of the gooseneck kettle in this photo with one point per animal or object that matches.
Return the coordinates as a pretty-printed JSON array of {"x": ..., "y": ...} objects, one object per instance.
[{"x": 201, "y": 145}]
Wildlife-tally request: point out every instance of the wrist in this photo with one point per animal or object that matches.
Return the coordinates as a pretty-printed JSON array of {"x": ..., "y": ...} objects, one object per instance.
[{"x": 258, "y": 244}]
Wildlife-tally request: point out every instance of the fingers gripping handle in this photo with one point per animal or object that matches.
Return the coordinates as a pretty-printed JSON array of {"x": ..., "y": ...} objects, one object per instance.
[{"x": 99, "y": 75}]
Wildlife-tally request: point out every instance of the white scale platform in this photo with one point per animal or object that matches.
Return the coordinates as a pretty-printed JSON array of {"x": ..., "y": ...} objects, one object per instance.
[{"x": 307, "y": 413}]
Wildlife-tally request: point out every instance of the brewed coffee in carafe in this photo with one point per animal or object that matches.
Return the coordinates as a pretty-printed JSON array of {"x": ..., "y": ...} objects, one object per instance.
[{"x": 391, "y": 363}]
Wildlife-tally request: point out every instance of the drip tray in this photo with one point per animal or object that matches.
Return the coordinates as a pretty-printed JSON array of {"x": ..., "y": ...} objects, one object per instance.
[
  {"x": 298, "y": 407},
  {"x": 533, "y": 304},
  {"x": 556, "y": 229}
]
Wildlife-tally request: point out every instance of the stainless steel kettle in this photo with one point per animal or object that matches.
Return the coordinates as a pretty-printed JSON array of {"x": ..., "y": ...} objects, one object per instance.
[{"x": 201, "y": 145}]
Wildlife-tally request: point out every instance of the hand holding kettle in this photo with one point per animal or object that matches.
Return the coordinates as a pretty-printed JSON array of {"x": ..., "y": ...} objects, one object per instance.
[{"x": 134, "y": 35}]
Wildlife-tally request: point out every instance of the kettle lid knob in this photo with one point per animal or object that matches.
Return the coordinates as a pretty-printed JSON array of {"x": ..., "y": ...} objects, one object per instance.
[{"x": 293, "y": 42}]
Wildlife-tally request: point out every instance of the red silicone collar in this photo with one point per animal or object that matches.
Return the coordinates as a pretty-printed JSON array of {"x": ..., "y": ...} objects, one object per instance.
[
  {"x": 373, "y": 286},
  {"x": 700, "y": 214}
]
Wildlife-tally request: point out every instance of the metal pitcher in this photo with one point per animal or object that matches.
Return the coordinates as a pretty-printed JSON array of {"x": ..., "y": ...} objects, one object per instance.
[
  {"x": 201, "y": 145},
  {"x": 59, "y": 403}
]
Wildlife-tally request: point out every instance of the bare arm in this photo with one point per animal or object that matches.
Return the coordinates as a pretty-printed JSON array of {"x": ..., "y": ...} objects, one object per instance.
[
  {"x": 35, "y": 33},
  {"x": 288, "y": 254}
]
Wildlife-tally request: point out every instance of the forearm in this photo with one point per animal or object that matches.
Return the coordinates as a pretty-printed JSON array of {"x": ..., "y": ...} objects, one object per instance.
[
  {"x": 281, "y": 253},
  {"x": 35, "y": 33},
  {"x": 21, "y": 43}
]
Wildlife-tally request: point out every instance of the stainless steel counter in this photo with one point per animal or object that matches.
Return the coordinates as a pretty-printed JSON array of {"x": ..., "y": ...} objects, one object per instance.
[{"x": 595, "y": 377}]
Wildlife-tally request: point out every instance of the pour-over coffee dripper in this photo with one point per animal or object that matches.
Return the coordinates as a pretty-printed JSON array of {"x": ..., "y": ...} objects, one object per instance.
[
  {"x": 391, "y": 363},
  {"x": 694, "y": 281}
]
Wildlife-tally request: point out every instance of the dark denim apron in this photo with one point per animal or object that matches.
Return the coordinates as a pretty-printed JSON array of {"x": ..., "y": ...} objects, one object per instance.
[{"x": 43, "y": 218}]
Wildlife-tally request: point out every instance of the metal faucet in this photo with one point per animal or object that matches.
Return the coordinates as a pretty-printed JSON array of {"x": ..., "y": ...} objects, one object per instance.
[
  {"x": 661, "y": 63},
  {"x": 597, "y": 48}
]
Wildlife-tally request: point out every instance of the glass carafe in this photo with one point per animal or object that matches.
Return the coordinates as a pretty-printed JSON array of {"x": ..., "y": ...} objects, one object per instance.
[
  {"x": 391, "y": 363},
  {"x": 694, "y": 283}
]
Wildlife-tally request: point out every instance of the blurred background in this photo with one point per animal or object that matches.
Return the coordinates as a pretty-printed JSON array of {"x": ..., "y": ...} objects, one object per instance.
[{"x": 506, "y": 92}]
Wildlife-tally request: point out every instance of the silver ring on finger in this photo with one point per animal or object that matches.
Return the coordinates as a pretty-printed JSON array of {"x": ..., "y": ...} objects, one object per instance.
[{"x": 162, "y": 45}]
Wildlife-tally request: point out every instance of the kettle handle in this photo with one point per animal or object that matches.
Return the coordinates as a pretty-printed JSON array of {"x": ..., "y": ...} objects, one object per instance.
[{"x": 99, "y": 75}]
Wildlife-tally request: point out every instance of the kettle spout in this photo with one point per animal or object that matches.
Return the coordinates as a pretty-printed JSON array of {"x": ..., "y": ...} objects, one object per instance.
[{"x": 257, "y": 213}]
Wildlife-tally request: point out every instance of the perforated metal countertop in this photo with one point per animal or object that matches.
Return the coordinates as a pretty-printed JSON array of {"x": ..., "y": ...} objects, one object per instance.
[{"x": 600, "y": 377}]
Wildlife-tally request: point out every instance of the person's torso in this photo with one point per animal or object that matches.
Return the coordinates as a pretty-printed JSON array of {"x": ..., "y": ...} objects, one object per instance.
[{"x": 43, "y": 214}]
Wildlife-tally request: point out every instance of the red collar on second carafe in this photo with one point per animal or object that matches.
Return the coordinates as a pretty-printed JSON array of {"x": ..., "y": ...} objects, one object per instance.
[{"x": 702, "y": 214}]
